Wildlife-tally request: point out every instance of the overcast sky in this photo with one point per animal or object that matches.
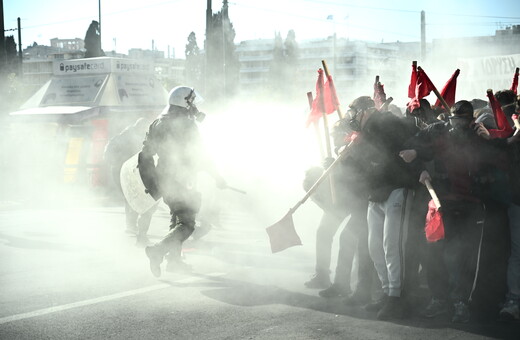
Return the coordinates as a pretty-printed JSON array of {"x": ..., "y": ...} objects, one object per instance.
[{"x": 135, "y": 23}]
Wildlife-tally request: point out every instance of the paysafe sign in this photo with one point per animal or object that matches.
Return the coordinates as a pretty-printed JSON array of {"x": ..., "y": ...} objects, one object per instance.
[{"x": 81, "y": 67}]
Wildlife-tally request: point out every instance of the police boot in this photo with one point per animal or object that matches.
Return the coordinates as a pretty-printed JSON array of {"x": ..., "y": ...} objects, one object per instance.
[
  {"x": 174, "y": 258},
  {"x": 155, "y": 255}
]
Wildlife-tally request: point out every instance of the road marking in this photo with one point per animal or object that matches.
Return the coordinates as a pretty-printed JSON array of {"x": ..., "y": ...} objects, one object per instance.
[{"x": 88, "y": 302}]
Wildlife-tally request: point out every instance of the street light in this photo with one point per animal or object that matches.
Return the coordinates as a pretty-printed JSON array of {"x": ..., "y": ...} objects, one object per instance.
[
  {"x": 331, "y": 17},
  {"x": 334, "y": 39}
]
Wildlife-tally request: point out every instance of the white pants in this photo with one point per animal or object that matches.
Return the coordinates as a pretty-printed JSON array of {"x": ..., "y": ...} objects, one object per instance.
[{"x": 387, "y": 233}]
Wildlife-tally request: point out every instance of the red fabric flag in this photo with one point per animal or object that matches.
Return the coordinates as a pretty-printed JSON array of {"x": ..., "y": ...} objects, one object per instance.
[
  {"x": 434, "y": 227},
  {"x": 423, "y": 88},
  {"x": 318, "y": 104},
  {"x": 326, "y": 100},
  {"x": 503, "y": 130},
  {"x": 282, "y": 234},
  {"x": 330, "y": 97},
  {"x": 379, "y": 94},
  {"x": 448, "y": 92},
  {"x": 413, "y": 82},
  {"x": 514, "y": 85}
]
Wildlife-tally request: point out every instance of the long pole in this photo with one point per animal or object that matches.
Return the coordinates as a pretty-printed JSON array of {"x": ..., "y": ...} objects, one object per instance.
[
  {"x": 423, "y": 35},
  {"x": 2, "y": 37},
  {"x": 99, "y": 12},
  {"x": 20, "y": 52}
]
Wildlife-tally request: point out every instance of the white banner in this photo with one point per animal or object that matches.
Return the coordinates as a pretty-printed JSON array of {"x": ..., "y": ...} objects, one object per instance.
[{"x": 479, "y": 74}]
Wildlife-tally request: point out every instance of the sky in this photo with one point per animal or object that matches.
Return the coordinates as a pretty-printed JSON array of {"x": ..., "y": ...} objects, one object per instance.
[{"x": 136, "y": 23}]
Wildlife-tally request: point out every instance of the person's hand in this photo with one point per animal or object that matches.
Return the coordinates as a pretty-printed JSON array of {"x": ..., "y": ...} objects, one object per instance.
[
  {"x": 515, "y": 138},
  {"x": 481, "y": 131},
  {"x": 220, "y": 182},
  {"x": 425, "y": 175},
  {"x": 408, "y": 155}
]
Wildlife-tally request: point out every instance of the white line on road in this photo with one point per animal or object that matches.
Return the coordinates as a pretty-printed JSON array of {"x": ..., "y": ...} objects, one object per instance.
[{"x": 61, "y": 308}]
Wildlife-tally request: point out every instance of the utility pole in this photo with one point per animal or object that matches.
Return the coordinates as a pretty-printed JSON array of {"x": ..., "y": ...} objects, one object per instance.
[
  {"x": 423, "y": 36},
  {"x": 99, "y": 26},
  {"x": 225, "y": 25},
  {"x": 20, "y": 50},
  {"x": 3, "y": 56}
]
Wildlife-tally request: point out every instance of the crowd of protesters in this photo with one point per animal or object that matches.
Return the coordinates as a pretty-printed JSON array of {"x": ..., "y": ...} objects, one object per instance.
[{"x": 464, "y": 246}]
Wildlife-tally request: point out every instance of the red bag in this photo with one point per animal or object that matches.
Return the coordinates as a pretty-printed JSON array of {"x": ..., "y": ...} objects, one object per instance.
[{"x": 434, "y": 227}]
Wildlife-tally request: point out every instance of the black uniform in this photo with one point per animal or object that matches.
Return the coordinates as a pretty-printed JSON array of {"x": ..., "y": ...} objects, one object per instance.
[{"x": 174, "y": 137}]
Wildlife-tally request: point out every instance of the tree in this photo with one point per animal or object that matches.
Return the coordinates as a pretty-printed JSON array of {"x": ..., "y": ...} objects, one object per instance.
[
  {"x": 194, "y": 63},
  {"x": 93, "y": 41},
  {"x": 277, "y": 65},
  {"x": 291, "y": 54},
  {"x": 283, "y": 65}
]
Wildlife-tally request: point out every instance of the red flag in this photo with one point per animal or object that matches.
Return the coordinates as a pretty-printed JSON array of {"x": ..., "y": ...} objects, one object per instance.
[
  {"x": 413, "y": 82},
  {"x": 423, "y": 88},
  {"x": 318, "y": 104},
  {"x": 326, "y": 100},
  {"x": 514, "y": 85},
  {"x": 503, "y": 130},
  {"x": 434, "y": 227},
  {"x": 282, "y": 234},
  {"x": 330, "y": 96},
  {"x": 448, "y": 92},
  {"x": 379, "y": 94}
]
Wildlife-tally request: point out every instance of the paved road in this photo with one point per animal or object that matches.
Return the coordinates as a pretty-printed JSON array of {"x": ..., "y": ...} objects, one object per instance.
[{"x": 72, "y": 273}]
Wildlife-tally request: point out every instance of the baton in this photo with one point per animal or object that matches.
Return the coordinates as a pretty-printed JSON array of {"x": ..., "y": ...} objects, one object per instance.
[{"x": 236, "y": 190}]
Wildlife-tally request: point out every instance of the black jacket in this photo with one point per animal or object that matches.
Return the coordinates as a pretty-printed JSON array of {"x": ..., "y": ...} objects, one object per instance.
[
  {"x": 174, "y": 137},
  {"x": 382, "y": 138},
  {"x": 467, "y": 167}
]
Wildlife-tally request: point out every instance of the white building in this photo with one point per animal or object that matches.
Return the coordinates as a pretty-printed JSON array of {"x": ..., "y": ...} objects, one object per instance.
[{"x": 353, "y": 64}]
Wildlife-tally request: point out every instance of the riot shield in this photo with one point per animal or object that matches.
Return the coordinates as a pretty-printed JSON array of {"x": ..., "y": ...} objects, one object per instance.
[{"x": 133, "y": 188}]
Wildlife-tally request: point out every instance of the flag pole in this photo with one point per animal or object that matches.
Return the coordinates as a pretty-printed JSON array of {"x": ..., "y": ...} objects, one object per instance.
[
  {"x": 322, "y": 178},
  {"x": 433, "y": 194},
  {"x": 441, "y": 99},
  {"x": 327, "y": 74},
  {"x": 325, "y": 123}
]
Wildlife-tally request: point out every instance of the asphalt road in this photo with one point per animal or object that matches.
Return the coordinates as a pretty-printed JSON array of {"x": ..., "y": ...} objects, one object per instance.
[{"x": 72, "y": 273}]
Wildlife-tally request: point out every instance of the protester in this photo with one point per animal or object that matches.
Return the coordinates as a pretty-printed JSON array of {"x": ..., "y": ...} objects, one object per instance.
[
  {"x": 351, "y": 194},
  {"x": 174, "y": 137},
  {"x": 511, "y": 307},
  {"x": 462, "y": 163},
  {"x": 382, "y": 136},
  {"x": 333, "y": 215},
  {"x": 118, "y": 150},
  {"x": 329, "y": 224},
  {"x": 507, "y": 100}
]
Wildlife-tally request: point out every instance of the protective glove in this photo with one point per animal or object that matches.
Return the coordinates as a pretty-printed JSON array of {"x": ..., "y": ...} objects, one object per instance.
[{"x": 220, "y": 182}]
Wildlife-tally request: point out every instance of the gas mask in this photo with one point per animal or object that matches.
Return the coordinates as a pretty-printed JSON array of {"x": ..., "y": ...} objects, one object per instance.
[
  {"x": 460, "y": 122},
  {"x": 460, "y": 125},
  {"x": 199, "y": 116},
  {"x": 355, "y": 123}
]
